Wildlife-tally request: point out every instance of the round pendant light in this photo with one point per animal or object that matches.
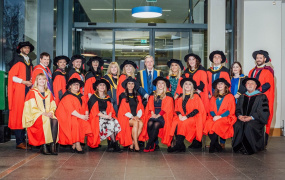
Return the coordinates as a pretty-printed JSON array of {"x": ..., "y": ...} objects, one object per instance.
[{"x": 146, "y": 12}]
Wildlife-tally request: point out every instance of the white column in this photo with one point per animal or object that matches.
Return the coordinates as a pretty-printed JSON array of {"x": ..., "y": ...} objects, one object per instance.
[
  {"x": 282, "y": 78},
  {"x": 216, "y": 25}
]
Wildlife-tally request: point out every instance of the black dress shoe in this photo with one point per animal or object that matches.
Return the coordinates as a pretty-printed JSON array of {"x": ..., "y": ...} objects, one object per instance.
[
  {"x": 218, "y": 147},
  {"x": 79, "y": 152},
  {"x": 157, "y": 148},
  {"x": 45, "y": 150},
  {"x": 117, "y": 148},
  {"x": 212, "y": 149},
  {"x": 53, "y": 149}
]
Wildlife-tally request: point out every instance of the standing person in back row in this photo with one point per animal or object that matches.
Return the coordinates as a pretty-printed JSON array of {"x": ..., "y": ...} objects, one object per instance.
[
  {"x": 217, "y": 70},
  {"x": 265, "y": 75},
  {"x": 43, "y": 68},
  {"x": 19, "y": 83}
]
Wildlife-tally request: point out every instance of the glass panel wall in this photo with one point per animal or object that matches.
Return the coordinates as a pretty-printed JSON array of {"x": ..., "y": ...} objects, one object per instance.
[
  {"x": 170, "y": 45},
  {"x": 96, "y": 43},
  {"x": 19, "y": 24},
  {"x": 199, "y": 45},
  {"x": 132, "y": 45},
  {"x": 199, "y": 13}
]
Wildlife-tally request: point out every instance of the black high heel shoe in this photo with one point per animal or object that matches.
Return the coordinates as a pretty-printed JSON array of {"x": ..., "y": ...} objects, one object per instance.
[
  {"x": 79, "y": 152},
  {"x": 131, "y": 149},
  {"x": 45, "y": 150}
]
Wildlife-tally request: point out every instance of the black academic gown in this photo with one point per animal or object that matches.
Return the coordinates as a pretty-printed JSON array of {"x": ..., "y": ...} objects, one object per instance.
[{"x": 250, "y": 135}]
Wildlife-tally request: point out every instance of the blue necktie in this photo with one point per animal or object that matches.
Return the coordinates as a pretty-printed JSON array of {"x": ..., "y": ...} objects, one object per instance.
[{"x": 149, "y": 82}]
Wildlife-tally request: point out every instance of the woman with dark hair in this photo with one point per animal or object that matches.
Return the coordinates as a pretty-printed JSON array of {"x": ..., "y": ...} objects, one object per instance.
[
  {"x": 199, "y": 74},
  {"x": 237, "y": 88},
  {"x": 39, "y": 118},
  {"x": 159, "y": 114},
  {"x": 190, "y": 115},
  {"x": 175, "y": 76},
  {"x": 103, "y": 120},
  {"x": 131, "y": 116},
  {"x": 222, "y": 115},
  {"x": 72, "y": 114},
  {"x": 95, "y": 64}
]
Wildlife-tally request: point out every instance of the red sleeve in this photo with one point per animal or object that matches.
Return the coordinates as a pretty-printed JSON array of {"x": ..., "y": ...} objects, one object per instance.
[{"x": 35, "y": 73}]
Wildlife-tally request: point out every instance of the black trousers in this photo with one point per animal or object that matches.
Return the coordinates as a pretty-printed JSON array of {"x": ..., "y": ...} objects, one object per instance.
[{"x": 20, "y": 136}]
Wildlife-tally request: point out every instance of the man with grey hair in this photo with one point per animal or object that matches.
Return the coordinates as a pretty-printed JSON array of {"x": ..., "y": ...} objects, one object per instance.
[{"x": 252, "y": 111}]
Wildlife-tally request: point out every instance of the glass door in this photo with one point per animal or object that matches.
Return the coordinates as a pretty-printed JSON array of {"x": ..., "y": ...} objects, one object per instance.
[
  {"x": 132, "y": 45},
  {"x": 170, "y": 45}
]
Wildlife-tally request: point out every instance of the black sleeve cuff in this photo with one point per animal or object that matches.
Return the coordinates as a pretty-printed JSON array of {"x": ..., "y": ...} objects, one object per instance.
[
  {"x": 193, "y": 113},
  {"x": 178, "y": 113}
]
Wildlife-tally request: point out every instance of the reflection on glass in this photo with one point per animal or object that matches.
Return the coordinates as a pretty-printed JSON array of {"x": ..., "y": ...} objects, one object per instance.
[
  {"x": 131, "y": 45},
  {"x": 199, "y": 45},
  {"x": 199, "y": 11},
  {"x": 97, "y": 42},
  {"x": 19, "y": 24},
  {"x": 228, "y": 48},
  {"x": 170, "y": 45}
]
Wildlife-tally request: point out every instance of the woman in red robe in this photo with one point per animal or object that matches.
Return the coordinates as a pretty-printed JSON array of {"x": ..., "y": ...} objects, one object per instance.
[
  {"x": 131, "y": 116},
  {"x": 159, "y": 114},
  {"x": 190, "y": 115},
  {"x": 103, "y": 118},
  {"x": 95, "y": 64},
  {"x": 39, "y": 118},
  {"x": 59, "y": 77},
  {"x": 72, "y": 114},
  {"x": 199, "y": 74},
  {"x": 222, "y": 114}
]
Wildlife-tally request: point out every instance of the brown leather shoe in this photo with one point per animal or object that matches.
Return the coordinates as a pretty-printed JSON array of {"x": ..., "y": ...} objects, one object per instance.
[
  {"x": 22, "y": 146},
  {"x": 223, "y": 145}
]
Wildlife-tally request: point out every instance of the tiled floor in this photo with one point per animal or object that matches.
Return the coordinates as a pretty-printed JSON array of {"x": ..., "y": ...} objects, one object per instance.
[{"x": 98, "y": 164}]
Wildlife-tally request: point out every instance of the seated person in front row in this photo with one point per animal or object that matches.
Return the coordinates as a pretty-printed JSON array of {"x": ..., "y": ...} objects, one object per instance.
[
  {"x": 38, "y": 116},
  {"x": 222, "y": 115},
  {"x": 252, "y": 111},
  {"x": 131, "y": 115},
  {"x": 188, "y": 124},
  {"x": 103, "y": 120}
]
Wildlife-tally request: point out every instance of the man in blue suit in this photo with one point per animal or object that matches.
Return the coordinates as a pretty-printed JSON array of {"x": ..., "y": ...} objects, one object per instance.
[
  {"x": 145, "y": 78},
  {"x": 147, "y": 75}
]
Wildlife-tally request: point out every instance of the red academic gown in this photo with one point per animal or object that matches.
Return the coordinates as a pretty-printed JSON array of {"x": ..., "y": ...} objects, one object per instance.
[
  {"x": 224, "y": 126},
  {"x": 93, "y": 106},
  {"x": 74, "y": 74},
  {"x": 40, "y": 69},
  {"x": 16, "y": 91},
  {"x": 125, "y": 135},
  {"x": 38, "y": 126},
  {"x": 71, "y": 128},
  {"x": 266, "y": 79},
  {"x": 167, "y": 106},
  {"x": 200, "y": 77},
  {"x": 59, "y": 84},
  {"x": 223, "y": 72},
  {"x": 90, "y": 79},
  {"x": 120, "y": 88},
  {"x": 192, "y": 127}
]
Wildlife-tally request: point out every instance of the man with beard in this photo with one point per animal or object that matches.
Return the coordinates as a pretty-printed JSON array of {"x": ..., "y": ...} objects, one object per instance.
[
  {"x": 265, "y": 75},
  {"x": 76, "y": 63},
  {"x": 252, "y": 111}
]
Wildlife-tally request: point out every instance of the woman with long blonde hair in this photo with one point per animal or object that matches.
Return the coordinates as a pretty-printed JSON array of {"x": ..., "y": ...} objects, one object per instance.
[
  {"x": 112, "y": 75},
  {"x": 128, "y": 69},
  {"x": 39, "y": 118},
  {"x": 174, "y": 76},
  {"x": 190, "y": 114},
  {"x": 159, "y": 114}
]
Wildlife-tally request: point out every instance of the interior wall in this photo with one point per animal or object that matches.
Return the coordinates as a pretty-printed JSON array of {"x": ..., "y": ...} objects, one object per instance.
[{"x": 261, "y": 28}]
